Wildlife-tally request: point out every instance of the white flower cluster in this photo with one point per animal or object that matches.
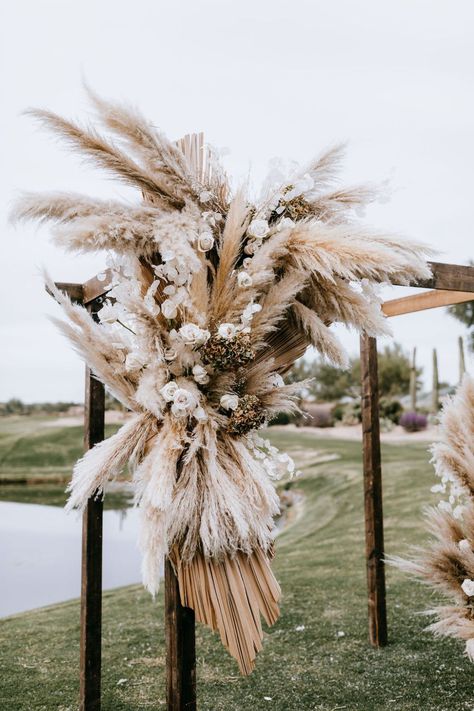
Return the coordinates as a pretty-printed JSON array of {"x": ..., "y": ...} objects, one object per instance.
[
  {"x": 179, "y": 263},
  {"x": 257, "y": 230},
  {"x": 228, "y": 331},
  {"x": 277, "y": 464},
  {"x": 182, "y": 351},
  {"x": 184, "y": 400},
  {"x": 229, "y": 401},
  {"x": 456, "y": 494}
]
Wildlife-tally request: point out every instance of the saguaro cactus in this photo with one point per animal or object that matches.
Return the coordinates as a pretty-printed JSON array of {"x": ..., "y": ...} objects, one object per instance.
[
  {"x": 413, "y": 382},
  {"x": 435, "y": 387},
  {"x": 462, "y": 362}
]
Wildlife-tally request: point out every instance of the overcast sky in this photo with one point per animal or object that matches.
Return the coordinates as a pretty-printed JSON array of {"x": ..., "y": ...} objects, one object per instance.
[{"x": 263, "y": 78}]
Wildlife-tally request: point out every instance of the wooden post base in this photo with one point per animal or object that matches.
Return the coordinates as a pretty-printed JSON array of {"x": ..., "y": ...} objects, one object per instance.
[{"x": 180, "y": 648}]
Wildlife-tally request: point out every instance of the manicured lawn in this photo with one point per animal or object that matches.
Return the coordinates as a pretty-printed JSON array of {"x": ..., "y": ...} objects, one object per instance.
[
  {"x": 33, "y": 448},
  {"x": 315, "y": 658}
]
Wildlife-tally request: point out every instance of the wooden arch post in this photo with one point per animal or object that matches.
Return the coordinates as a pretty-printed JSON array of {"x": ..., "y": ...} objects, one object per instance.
[
  {"x": 450, "y": 284},
  {"x": 179, "y": 620}
]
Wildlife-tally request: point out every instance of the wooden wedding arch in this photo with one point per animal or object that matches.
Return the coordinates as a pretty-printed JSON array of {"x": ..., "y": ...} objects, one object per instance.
[{"x": 449, "y": 284}]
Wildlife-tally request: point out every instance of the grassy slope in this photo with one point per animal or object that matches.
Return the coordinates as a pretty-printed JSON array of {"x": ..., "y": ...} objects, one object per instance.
[
  {"x": 321, "y": 568},
  {"x": 33, "y": 448}
]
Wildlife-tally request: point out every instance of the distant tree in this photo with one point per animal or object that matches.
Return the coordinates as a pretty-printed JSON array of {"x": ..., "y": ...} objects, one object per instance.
[
  {"x": 330, "y": 383},
  {"x": 111, "y": 403},
  {"x": 465, "y": 314},
  {"x": 394, "y": 371},
  {"x": 15, "y": 406}
]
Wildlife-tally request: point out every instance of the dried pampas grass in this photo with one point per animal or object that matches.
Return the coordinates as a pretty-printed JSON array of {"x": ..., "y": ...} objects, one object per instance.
[
  {"x": 212, "y": 297},
  {"x": 447, "y": 562}
]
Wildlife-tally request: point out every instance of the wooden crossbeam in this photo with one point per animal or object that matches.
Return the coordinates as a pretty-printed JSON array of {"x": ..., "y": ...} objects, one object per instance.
[
  {"x": 427, "y": 300},
  {"x": 452, "y": 277},
  {"x": 96, "y": 287},
  {"x": 446, "y": 277},
  {"x": 74, "y": 291}
]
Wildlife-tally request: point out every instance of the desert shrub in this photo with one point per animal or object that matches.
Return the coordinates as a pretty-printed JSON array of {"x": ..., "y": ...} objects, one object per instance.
[
  {"x": 386, "y": 425},
  {"x": 283, "y": 418},
  {"x": 338, "y": 411},
  {"x": 390, "y": 409},
  {"x": 413, "y": 421},
  {"x": 318, "y": 416},
  {"x": 352, "y": 413}
]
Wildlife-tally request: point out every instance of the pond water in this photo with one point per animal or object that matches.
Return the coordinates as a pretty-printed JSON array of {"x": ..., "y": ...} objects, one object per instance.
[{"x": 40, "y": 554}]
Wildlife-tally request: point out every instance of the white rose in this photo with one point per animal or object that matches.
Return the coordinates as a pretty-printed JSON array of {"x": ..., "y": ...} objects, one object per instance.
[
  {"x": 258, "y": 228},
  {"x": 464, "y": 546},
  {"x": 170, "y": 353},
  {"x": 227, "y": 331},
  {"x": 253, "y": 246},
  {"x": 169, "y": 309},
  {"x": 205, "y": 242},
  {"x": 193, "y": 335},
  {"x": 244, "y": 279},
  {"x": 285, "y": 224},
  {"x": 468, "y": 587},
  {"x": 200, "y": 375},
  {"x": 205, "y": 196},
  {"x": 200, "y": 414},
  {"x": 247, "y": 262},
  {"x": 184, "y": 402},
  {"x": 229, "y": 402},
  {"x": 276, "y": 381},
  {"x": 169, "y": 390}
]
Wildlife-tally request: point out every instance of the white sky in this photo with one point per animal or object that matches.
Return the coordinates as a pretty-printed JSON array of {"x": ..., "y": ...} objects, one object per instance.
[{"x": 265, "y": 79}]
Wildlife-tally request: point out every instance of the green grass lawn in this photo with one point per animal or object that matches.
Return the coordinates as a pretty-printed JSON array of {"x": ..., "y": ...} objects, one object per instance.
[
  {"x": 315, "y": 658},
  {"x": 34, "y": 449}
]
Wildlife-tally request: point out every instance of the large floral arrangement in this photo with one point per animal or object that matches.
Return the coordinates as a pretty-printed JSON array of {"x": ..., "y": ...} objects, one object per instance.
[
  {"x": 211, "y": 298},
  {"x": 446, "y": 563}
]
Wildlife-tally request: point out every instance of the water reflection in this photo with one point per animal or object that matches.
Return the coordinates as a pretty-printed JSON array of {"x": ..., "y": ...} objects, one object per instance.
[{"x": 40, "y": 554}]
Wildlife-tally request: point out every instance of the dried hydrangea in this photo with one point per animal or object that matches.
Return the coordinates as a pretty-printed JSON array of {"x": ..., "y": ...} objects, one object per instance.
[
  {"x": 225, "y": 354},
  {"x": 248, "y": 415}
]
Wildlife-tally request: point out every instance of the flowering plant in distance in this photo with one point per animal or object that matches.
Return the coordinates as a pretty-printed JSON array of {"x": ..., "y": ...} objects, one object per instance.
[{"x": 211, "y": 298}]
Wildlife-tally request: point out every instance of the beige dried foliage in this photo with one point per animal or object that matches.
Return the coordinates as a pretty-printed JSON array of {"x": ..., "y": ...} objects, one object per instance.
[
  {"x": 205, "y": 497},
  {"x": 447, "y": 561}
]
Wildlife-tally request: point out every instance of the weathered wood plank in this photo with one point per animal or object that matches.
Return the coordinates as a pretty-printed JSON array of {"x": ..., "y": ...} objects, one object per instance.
[
  {"x": 74, "y": 291},
  {"x": 373, "y": 493},
  {"x": 91, "y": 578},
  {"x": 453, "y": 277},
  {"x": 180, "y": 648},
  {"x": 426, "y": 300},
  {"x": 96, "y": 287}
]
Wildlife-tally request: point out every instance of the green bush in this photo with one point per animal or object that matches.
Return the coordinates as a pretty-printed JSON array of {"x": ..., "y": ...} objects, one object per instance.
[
  {"x": 283, "y": 418},
  {"x": 390, "y": 409}
]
